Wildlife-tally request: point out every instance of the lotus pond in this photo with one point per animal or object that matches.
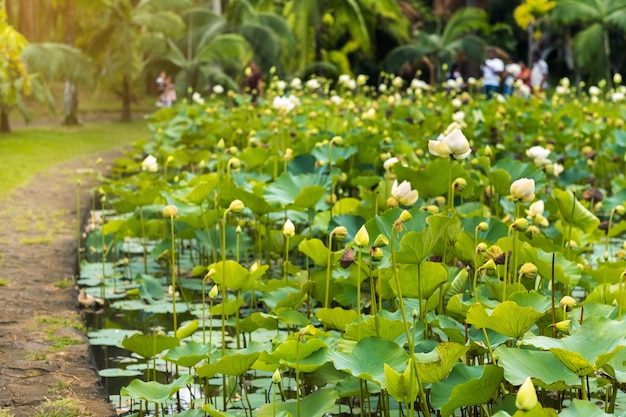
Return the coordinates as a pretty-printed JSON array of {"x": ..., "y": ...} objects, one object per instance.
[{"x": 352, "y": 251}]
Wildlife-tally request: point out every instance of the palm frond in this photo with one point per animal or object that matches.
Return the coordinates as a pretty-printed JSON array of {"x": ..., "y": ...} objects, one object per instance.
[
  {"x": 572, "y": 11},
  {"x": 401, "y": 55},
  {"x": 59, "y": 61}
]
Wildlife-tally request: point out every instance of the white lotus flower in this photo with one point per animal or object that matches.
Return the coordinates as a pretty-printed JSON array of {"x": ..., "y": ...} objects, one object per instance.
[
  {"x": 523, "y": 190},
  {"x": 452, "y": 142},
  {"x": 285, "y": 103},
  {"x": 296, "y": 83},
  {"x": 382, "y": 88},
  {"x": 539, "y": 155},
  {"x": 457, "y": 103},
  {"x": 336, "y": 99},
  {"x": 403, "y": 193},
  {"x": 594, "y": 91},
  {"x": 197, "y": 98},
  {"x": 361, "y": 79},
  {"x": 535, "y": 209},
  {"x": 218, "y": 89},
  {"x": 281, "y": 85},
  {"x": 397, "y": 82},
  {"x": 150, "y": 164},
  {"x": 313, "y": 84},
  {"x": 417, "y": 84},
  {"x": 389, "y": 163}
]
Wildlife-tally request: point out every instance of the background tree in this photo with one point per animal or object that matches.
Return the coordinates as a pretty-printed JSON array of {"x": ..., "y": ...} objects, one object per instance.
[
  {"x": 598, "y": 19},
  {"x": 460, "y": 35},
  {"x": 123, "y": 35}
]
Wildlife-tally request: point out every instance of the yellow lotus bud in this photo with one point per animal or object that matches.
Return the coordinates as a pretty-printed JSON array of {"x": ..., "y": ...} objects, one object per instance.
[
  {"x": 276, "y": 376},
  {"x": 170, "y": 211},
  {"x": 376, "y": 253},
  {"x": 526, "y": 398},
  {"x": 482, "y": 226},
  {"x": 520, "y": 224},
  {"x": 289, "y": 229},
  {"x": 564, "y": 326},
  {"x": 405, "y": 216},
  {"x": 214, "y": 292},
  {"x": 237, "y": 206},
  {"x": 362, "y": 238},
  {"x": 567, "y": 301},
  {"x": 381, "y": 241}
]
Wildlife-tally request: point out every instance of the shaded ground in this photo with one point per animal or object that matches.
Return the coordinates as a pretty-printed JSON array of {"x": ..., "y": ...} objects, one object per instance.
[{"x": 45, "y": 360}]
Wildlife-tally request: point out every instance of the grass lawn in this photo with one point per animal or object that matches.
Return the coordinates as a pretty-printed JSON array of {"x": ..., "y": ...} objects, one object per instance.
[{"x": 27, "y": 151}]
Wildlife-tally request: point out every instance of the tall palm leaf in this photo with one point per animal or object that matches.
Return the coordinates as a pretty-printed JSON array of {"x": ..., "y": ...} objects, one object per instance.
[
  {"x": 459, "y": 35},
  {"x": 600, "y": 18}
]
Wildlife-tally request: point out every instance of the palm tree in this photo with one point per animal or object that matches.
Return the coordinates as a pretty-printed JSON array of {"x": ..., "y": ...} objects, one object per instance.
[
  {"x": 592, "y": 48},
  {"x": 529, "y": 16},
  {"x": 459, "y": 35},
  {"x": 123, "y": 35}
]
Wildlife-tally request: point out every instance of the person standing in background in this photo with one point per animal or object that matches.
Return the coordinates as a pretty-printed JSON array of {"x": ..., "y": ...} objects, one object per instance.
[
  {"x": 538, "y": 73},
  {"x": 492, "y": 68}
]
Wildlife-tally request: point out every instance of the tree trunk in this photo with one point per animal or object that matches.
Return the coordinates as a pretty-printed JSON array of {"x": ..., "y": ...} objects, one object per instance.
[
  {"x": 70, "y": 96},
  {"x": 126, "y": 98},
  {"x": 4, "y": 121},
  {"x": 217, "y": 7},
  {"x": 70, "y": 101}
]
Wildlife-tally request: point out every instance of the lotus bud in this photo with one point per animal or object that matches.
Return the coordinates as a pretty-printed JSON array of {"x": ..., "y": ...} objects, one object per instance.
[
  {"x": 289, "y": 229},
  {"x": 481, "y": 248},
  {"x": 459, "y": 184},
  {"x": 564, "y": 326},
  {"x": 331, "y": 199},
  {"x": 376, "y": 253},
  {"x": 170, "y": 211},
  {"x": 567, "y": 301},
  {"x": 482, "y": 226},
  {"x": 523, "y": 190},
  {"x": 340, "y": 233},
  {"x": 214, "y": 292},
  {"x": 520, "y": 224},
  {"x": 236, "y": 206},
  {"x": 276, "y": 378},
  {"x": 526, "y": 396},
  {"x": 440, "y": 200},
  {"x": 414, "y": 314},
  {"x": 620, "y": 209},
  {"x": 405, "y": 216},
  {"x": 221, "y": 145},
  {"x": 381, "y": 241},
  {"x": 431, "y": 209},
  {"x": 528, "y": 271},
  {"x": 362, "y": 238}
]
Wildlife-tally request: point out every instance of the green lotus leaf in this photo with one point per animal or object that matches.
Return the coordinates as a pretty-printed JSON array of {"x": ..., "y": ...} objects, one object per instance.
[
  {"x": 532, "y": 299},
  {"x": 336, "y": 318},
  {"x": 616, "y": 366},
  {"x": 580, "y": 408},
  {"x": 382, "y": 327},
  {"x": 202, "y": 190},
  {"x": 573, "y": 212},
  {"x": 350, "y": 386},
  {"x": 110, "y": 337},
  {"x": 233, "y": 275},
  {"x": 284, "y": 297},
  {"x": 500, "y": 180},
  {"x": 416, "y": 246},
  {"x": 402, "y": 387},
  {"x": 447, "y": 354},
  {"x": 188, "y": 355},
  {"x": 607, "y": 273},
  {"x": 429, "y": 181},
  {"x": 351, "y": 222},
  {"x": 589, "y": 348},
  {"x": 153, "y": 391},
  {"x": 150, "y": 288},
  {"x": 457, "y": 286},
  {"x": 258, "y": 320},
  {"x": 519, "y": 169},
  {"x": 227, "y": 308},
  {"x": 465, "y": 386},
  {"x": 233, "y": 364},
  {"x": 255, "y": 203},
  {"x": 507, "y": 318},
  {"x": 147, "y": 345},
  {"x": 543, "y": 367},
  {"x": 367, "y": 359},
  {"x": 421, "y": 279},
  {"x": 344, "y": 207},
  {"x": 338, "y": 154},
  {"x": 254, "y": 157},
  {"x": 565, "y": 271},
  {"x": 118, "y": 372},
  {"x": 316, "y": 404},
  {"x": 304, "y": 190},
  {"x": 318, "y": 252}
]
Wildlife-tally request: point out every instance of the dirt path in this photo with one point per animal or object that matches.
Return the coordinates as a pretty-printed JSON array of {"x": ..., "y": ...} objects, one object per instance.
[{"x": 45, "y": 360}]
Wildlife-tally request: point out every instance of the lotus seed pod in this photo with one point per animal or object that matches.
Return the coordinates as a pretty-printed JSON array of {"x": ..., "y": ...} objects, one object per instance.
[
  {"x": 340, "y": 233},
  {"x": 526, "y": 398},
  {"x": 170, "y": 211},
  {"x": 567, "y": 301},
  {"x": 459, "y": 184},
  {"x": 528, "y": 271},
  {"x": 520, "y": 224},
  {"x": 493, "y": 252},
  {"x": 481, "y": 248},
  {"x": 405, "y": 216},
  {"x": 237, "y": 206},
  {"x": 376, "y": 253},
  {"x": 392, "y": 202}
]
